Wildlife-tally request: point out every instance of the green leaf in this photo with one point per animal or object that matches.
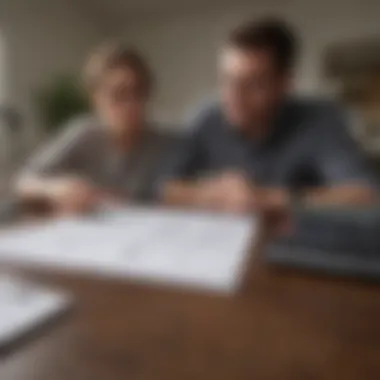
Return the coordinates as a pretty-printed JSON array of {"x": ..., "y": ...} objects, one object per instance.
[{"x": 60, "y": 100}]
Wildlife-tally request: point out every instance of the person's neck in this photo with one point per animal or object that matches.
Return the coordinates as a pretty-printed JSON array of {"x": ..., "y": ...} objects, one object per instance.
[
  {"x": 259, "y": 128},
  {"x": 126, "y": 139}
]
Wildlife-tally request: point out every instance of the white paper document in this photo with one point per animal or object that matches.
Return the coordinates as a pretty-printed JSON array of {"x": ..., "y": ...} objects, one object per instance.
[
  {"x": 25, "y": 306},
  {"x": 195, "y": 249}
]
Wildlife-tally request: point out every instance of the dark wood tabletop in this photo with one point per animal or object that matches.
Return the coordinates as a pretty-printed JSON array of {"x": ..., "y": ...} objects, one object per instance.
[{"x": 279, "y": 325}]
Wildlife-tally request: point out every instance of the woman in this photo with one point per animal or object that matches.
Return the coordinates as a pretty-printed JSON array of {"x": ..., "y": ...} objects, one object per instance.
[{"x": 109, "y": 156}]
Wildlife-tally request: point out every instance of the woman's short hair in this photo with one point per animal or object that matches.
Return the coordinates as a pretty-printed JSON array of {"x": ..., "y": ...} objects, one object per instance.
[{"x": 114, "y": 56}]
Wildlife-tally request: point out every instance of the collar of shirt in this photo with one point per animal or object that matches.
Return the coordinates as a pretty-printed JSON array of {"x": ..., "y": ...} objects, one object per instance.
[{"x": 277, "y": 131}]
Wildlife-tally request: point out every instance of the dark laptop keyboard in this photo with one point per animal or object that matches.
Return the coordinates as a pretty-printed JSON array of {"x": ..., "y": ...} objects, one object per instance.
[{"x": 336, "y": 241}]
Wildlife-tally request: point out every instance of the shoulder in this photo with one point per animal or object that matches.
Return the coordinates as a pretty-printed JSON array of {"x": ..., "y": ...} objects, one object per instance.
[
  {"x": 81, "y": 127},
  {"x": 326, "y": 128},
  {"x": 206, "y": 120},
  {"x": 310, "y": 109},
  {"x": 76, "y": 132},
  {"x": 63, "y": 144},
  {"x": 319, "y": 117}
]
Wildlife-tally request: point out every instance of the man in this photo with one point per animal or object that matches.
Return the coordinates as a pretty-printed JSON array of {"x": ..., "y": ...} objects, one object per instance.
[
  {"x": 110, "y": 156},
  {"x": 260, "y": 148}
]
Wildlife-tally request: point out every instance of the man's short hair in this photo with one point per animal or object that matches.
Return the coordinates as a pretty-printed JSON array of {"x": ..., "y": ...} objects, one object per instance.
[
  {"x": 272, "y": 35},
  {"x": 114, "y": 56}
]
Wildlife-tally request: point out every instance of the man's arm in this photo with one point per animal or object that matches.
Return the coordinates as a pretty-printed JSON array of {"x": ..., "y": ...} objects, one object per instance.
[
  {"x": 206, "y": 193},
  {"x": 347, "y": 176},
  {"x": 349, "y": 195},
  {"x": 179, "y": 192}
]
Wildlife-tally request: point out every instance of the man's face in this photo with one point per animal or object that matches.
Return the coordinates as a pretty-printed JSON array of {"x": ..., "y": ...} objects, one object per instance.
[
  {"x": 120, "y": 100},
  {"x": 251, "y": 84}
]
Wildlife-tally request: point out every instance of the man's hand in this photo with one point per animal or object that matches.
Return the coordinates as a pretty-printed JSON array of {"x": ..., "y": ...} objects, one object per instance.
[
  {"x": 235, "y": 193},
  {"x": 232, "y": 192},
  {"x": 229, "y": 192},
  {"x": 72, "y": 195}
]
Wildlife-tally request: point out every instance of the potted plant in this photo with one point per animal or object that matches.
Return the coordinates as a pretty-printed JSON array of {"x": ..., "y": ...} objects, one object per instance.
[{"x": 60, "y": 100}]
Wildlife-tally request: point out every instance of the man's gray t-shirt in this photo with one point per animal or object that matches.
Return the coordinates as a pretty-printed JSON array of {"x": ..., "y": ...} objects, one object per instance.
[
  {"x": 308, "y": 146},
  {"x": 84, "y": 149}
]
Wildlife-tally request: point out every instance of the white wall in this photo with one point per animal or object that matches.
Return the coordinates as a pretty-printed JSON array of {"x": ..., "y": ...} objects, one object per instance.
[
  {"x": 182, "y": 46},
  {"x": 41, "y": 38}
]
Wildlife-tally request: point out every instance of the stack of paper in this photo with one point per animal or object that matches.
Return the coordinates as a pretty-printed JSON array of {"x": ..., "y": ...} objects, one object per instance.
[
  {"x": 197, "y": 249},
  {"x": 24, "y": 307}
]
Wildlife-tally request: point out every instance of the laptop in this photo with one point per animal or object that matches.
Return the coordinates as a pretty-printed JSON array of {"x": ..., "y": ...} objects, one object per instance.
[{"x": 336, "y": 241}]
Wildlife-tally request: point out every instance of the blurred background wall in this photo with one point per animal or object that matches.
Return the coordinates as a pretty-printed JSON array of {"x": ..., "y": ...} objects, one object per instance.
[
  {"x": 40, "y": 39},
  {"x": 183, "y": 43}
]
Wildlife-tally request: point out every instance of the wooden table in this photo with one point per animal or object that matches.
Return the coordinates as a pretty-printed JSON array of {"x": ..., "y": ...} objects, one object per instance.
[{"x": 280, "y": 325}]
